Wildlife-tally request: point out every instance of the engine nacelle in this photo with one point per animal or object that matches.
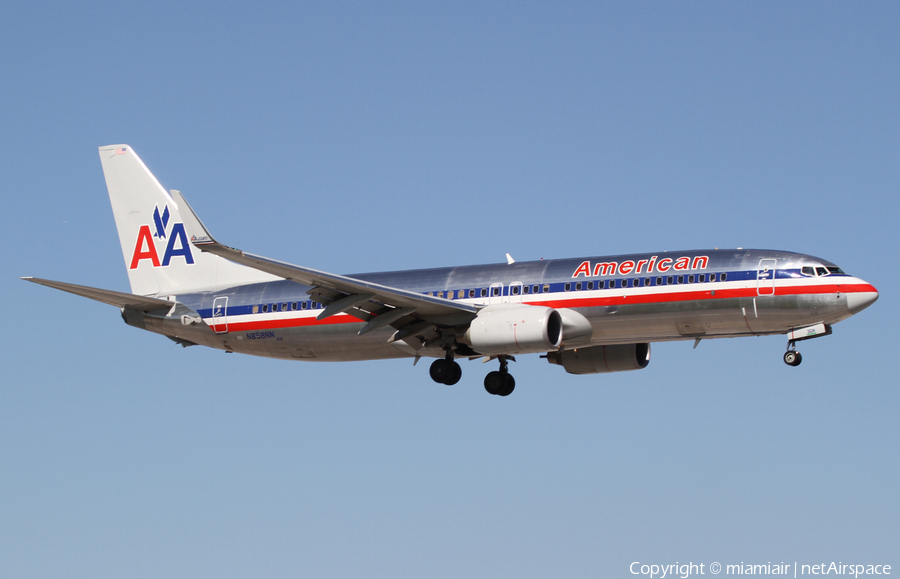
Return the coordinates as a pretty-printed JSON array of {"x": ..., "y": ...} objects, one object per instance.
[
  {"x": 515, "y": 329},
  {"x": 602, "y": 359}
]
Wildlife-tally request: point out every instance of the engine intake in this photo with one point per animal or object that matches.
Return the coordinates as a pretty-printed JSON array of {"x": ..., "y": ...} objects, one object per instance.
[
  {"x": 515, "y": 330},
  {"x": 602, "y": 359}
]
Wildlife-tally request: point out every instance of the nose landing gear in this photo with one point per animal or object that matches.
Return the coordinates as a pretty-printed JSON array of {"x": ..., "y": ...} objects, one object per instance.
[{"x": 792, "y": 357}]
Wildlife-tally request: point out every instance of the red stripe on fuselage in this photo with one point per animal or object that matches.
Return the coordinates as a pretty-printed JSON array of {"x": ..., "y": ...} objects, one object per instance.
[{"x": 640, "y": 298}]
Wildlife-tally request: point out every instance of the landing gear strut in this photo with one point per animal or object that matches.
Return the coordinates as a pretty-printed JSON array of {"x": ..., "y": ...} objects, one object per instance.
[
  {"x": 446, "y": 371},
  {"x": 792, "y": 357},
  {"x": 500, "y": 383}
]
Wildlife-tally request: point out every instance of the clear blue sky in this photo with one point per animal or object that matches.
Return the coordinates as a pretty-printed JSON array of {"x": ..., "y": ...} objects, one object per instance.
[{"x": 376, "y": 136}]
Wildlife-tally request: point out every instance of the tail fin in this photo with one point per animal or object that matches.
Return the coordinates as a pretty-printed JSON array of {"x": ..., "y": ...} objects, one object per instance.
[{"x": 155, "y": 229}]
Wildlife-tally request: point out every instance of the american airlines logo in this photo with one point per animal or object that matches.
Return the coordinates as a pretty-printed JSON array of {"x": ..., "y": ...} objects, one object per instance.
[
  {"x": 636, "y": 267},
  {"x": 175, "y": 239}
]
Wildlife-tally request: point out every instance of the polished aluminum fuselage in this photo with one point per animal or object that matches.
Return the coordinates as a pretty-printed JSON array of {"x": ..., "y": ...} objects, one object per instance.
[{"x": 735, "y": 293}]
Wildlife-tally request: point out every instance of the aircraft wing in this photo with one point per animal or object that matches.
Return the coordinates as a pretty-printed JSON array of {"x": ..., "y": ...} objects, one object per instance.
[
  {"x": 113, "y": 298},
  {"x": 346, "y": 294}
]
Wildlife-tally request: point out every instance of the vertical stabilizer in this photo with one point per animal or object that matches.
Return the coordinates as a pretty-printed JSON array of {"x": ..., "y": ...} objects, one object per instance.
[{"x": 154, "y": 231}]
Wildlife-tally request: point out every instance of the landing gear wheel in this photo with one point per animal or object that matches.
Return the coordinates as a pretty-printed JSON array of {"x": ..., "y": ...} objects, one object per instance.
[
  {"x": 509, "y": 384},
  {"x": 499, "y": 383},
  {"x": 445, "y": 372},
  {"x": 455, "y": 375},
  {"x": 792, "y": 358},
  {"x": 493, "y": 382}
]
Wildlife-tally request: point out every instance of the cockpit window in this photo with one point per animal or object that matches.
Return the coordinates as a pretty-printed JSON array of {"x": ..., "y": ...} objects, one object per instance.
[
  {"x": 835, "y": 270},
  {"x": 807, "y": 270},
  {"x": 821, "y": 271}
]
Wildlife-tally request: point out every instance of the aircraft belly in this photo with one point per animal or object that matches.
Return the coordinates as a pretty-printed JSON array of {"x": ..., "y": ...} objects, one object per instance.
[
  {"x": 616, "y": 324},
  {"x": 705, "y": 319},
  {"x": 324, "y": 343}
]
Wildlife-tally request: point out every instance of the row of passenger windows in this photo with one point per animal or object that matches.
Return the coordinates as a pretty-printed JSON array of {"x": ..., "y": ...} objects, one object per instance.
[
  {"x": 287, "y": 306},
  {"x": 496, "y": 291},
  {"x": 516, "y": 289},
  {"x": 646, "y": 281}
]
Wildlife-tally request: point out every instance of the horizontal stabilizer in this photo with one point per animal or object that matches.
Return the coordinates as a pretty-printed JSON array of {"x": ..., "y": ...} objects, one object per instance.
[{"x": 113, "y": 298}]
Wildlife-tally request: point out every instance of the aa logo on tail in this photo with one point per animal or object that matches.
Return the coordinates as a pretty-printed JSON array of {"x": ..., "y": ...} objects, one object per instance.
[{"x": 174, "y": 238}]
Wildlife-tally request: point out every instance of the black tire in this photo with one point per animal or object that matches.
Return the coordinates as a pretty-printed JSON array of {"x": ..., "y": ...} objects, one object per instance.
[
  {"x": 493, "y": 383},
  {"x": 441, "y": 370},
  {"x": 455, "y": 374},
  {"x": 792, "y": 358},
  {"x": 509, "y": 384}
]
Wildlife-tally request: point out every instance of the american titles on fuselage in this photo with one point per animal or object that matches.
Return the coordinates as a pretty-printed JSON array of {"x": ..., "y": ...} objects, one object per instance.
[{"x": 630, "y": 266}]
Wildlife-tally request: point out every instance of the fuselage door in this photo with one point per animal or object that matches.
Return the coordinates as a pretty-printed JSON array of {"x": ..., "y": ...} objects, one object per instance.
[
  {"x": 495, "y": 294},
  {"x": 515, "y": 292},
  {"x": 220, "y": 309},
  {"x": 765, "y": 277}
]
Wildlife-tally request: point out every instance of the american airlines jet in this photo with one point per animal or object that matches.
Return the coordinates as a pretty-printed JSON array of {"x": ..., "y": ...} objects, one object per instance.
[{"x": 588, "y": 314}]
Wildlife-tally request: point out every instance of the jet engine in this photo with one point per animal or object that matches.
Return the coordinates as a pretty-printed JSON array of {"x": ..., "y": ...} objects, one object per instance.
[
  {"x": 515, "y": 329},
  {"x": 602, "y": 359}
]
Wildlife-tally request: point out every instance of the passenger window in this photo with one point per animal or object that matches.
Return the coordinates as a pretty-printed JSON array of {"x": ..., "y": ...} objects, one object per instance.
[
  {"x": 483, "y": 292},
  {"x": 526, "y": 289},
  {"x": 284, "y": 307},
  {"x": 515, "y": 290},
  {"x": 255, "y": 309},
  {"x": 590, "y": 285},
  {"x": 535, "y": 289},
  {"x": 659, "y": 281},
  {"x": 568, "y": 287},
  {"x": 646, "y": 281},
  {"x": 712, "y": 277},
  {"x": 701, "y": 278},
  {"x": 670, "y": 280},
  {"x": 495, "y": 291},
  {"x": 680, "y": 279},
  {"x": 690, "y": 279},
  {"x": 294, "y": 306},
  {"x": 723, "y": 277},
  {"x": 546, "y": 288},
  {"x": 578, "y": 286}
]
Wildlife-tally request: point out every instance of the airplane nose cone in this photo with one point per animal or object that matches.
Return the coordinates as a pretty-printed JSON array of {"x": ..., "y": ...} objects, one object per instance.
[{"x": 858, "y": 301}]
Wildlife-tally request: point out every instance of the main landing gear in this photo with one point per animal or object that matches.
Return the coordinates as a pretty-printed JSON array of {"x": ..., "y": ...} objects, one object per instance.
[
  {"x": 792, "y": 357},
  {"x": 446, "y": 371},
  {"x": 500, "y": 383}
]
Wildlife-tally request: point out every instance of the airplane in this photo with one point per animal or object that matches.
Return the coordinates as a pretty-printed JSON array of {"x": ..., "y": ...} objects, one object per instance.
[{"x": 588, "y": 314}]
